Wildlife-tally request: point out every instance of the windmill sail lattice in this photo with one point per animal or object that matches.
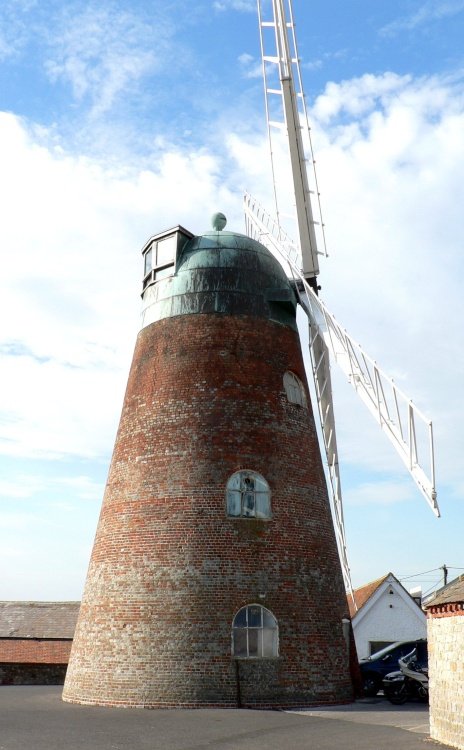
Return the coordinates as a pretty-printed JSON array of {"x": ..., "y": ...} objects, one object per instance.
[
  {"x": 288, "y": 128},
  {"x": 261, "y": 226},
  {"x": 397, "y": 416},
  {"x": 395, "y": 413}
]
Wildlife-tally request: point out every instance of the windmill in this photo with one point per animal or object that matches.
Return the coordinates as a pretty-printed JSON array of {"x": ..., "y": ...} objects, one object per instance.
[
  {"x": 214, "y": 578},
  {"x": 397, "y": 416}
]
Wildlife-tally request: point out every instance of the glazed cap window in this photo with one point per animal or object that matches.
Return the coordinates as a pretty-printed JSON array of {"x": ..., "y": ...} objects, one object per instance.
[
  {"x": 160, "y": 257},
  {"x": 148, "y": 261}
]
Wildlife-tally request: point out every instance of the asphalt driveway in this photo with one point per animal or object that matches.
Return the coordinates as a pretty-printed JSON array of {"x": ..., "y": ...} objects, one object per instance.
[{"x": 36, "y": 718}]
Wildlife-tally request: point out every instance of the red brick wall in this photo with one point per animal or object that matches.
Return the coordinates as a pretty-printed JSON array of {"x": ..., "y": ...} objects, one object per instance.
[
  {"x": 34, "y": 651},
  {"x": 446, "y": 610},
  {"x": 169, "y": 570}
]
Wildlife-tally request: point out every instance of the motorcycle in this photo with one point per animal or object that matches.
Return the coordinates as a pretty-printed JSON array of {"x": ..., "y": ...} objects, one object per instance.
[{"x": 411, "y": 681}]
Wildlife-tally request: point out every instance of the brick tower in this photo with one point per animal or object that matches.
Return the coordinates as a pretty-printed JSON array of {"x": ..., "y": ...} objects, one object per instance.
[{"x": 214, "y": 578}]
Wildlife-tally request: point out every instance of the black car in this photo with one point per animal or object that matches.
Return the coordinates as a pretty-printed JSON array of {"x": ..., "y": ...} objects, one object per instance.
[{"x": 375, "y": 667}]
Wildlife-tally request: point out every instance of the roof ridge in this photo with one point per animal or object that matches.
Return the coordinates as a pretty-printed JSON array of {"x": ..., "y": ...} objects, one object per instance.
[{"x": 378, "y": 581}]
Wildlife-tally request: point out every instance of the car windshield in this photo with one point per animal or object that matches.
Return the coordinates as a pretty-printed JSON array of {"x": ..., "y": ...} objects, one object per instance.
[
  {"x": 412, "y": 656},
  {"x": 383, "y": 651}
]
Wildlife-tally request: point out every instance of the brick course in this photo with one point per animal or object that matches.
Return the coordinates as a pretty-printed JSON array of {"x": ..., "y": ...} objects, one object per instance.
[
  {"x": 169, "y": 569},
  {"x": 35, "y": 651}
]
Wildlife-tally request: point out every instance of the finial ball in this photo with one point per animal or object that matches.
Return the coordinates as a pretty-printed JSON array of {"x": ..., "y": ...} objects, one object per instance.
[{"x": 218, "y": 221}]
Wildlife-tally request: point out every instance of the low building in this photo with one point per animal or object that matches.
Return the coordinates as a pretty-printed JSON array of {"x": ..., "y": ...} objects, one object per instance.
[
  {"x": 35, "y": 641},
  {"x": 445, "y": 627},
  {"x": 383, "y": 614}
]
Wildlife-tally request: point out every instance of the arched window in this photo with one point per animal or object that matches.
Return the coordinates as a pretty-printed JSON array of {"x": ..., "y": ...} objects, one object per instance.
[
  {"x": 294, "y": 389},
  {"x": 248, "y": 496},
  {"x": 255, "y": 633}
]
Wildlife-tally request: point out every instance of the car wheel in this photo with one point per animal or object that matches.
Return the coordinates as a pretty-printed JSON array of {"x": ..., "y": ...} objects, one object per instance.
[
  {"x": 371, "y": 685},
  {"x": 398, "y": 696}
]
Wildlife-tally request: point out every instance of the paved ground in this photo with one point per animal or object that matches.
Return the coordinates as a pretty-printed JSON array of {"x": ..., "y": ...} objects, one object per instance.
[
  {"x": 35, "y": 718},
  {"x": 413, "y": 717}
]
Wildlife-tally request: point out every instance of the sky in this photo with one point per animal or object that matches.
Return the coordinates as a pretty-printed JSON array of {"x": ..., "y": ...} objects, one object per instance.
[{"x": 121, "y": 119}]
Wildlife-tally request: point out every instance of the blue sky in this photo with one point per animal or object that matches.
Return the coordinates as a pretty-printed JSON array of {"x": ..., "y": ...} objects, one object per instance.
[{"x": 118, "y": 120}]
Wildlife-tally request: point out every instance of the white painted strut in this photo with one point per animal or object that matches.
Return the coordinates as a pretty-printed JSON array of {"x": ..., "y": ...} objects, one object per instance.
[
  {"x": 283, "y": 85},
  {"x": 261, "y": 226},
  {"x": 396, "y": 414}
]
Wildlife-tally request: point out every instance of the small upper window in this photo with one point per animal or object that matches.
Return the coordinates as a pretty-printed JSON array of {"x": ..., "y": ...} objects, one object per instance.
[
  {"x": 255, "y": 633},
  {"x": 248, "y": 496},
  {"x": 166, "y": 250},
  {"x": 160, "y": 257},
  {"x": 148, "y": 261},
  {"x": 294, "y": 389},
  {"x": 160, "y": 254}
]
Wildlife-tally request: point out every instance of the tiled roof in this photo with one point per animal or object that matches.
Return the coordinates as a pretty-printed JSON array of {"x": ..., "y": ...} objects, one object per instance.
[
  {"x": 364, "y": 593},
  {"x": 453, "y": 593},
  {"x": 38, "y": 619}
]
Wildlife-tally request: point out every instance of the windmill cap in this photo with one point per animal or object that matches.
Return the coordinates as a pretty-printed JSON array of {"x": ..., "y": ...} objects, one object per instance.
[{"x": 224, "y": 273}]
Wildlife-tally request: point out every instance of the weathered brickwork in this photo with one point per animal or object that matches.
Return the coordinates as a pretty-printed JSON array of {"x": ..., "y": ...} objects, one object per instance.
[
  {"x": 445, "y": 629},
  {"x": 169, "y": 569}
]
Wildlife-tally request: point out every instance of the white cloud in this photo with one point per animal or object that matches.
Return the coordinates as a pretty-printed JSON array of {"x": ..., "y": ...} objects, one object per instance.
[
  {"x": 24, "y": 489},
  {"x": 69, "y": 292},
  {"x": 13, "y": 28},
  {"x": 251, "y": 67},
  {"x": 390, "y": 155},
  {"x": 429, "y": 12},
  {"x": 30, "y": 486},
  {"x": 102, "y": 52},
  {"x": 390, "y": 158},
  {"x": 313, "y": 64},
  {"x": 82, "y": 486},
  {"x": 6, "y": 47},
  {"x": 358, "y": 96},
  {"x": 247, "y": 6},
  {"x": 380, "y": 493},
  {"x": 318, "y": 63}
]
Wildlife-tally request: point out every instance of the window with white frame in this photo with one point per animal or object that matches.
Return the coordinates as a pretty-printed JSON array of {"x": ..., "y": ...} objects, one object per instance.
[
  {"x": 255, "y": 633},
  {"x": 294, "y": 389},
  {"x": 160, "y": 257},
  {"x": 248, "y": 496}
]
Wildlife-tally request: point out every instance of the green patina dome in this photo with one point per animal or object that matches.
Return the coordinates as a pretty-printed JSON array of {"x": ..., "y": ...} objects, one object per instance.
[
  {"x": 232, "y": 250},
  {"x": 226, "y": 273}
]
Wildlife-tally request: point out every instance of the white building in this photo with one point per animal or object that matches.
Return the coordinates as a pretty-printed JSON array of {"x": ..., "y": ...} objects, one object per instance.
[{"x": 385, "y": 613}]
